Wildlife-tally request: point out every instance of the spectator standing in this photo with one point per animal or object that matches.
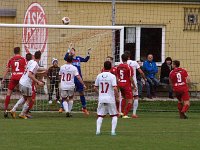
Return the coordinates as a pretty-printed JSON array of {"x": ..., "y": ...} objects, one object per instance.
[{"x": 53, "y": 74}]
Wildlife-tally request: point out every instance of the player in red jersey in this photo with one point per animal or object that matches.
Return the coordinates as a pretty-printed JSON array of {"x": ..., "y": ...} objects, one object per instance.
[
  {"x": 125, "y": 79},
  {"x": 179, "y": 79},
  {"x": 17, "y": 66}
]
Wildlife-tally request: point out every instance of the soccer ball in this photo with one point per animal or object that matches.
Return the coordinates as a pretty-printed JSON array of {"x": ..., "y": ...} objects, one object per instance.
[{"x": 65, "y": 20}]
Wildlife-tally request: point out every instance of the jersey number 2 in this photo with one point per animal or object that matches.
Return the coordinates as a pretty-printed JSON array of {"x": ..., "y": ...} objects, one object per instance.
[
  {"x": 16, "y": 66},
  {"x": 104, "y": 87}
]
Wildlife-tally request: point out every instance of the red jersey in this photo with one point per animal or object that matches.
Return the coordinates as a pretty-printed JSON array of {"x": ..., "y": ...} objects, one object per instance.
[
  {"x": 113, "y": 70},
  {"x": 124, "y": 75},
  {"x": 17, "y": 65},
  {"x": 178, "y": 78}
]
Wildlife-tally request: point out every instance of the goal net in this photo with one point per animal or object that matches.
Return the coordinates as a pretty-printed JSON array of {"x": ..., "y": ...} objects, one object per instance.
[{"x": 53, "y": 41}]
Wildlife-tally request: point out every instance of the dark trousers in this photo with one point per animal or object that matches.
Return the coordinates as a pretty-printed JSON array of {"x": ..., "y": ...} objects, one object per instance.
[
  {"x": 54, "y": 83},
  {"x": 151, "y": 85},
  {"x": 166, "y": 81}
]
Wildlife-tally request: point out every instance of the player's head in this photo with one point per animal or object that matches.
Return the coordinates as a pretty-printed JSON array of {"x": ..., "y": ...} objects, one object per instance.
[
  {"x": 55, "y": 62},
  {"x": 107, "y": 65},
  {"x": 17, "y": 50},
  {"x": 37, "y": 55},
  {"x": 29, "y": 56},
  {"x": 150, "y": 57},
  {"x": 176, "y": 64},
  {"x": 128, "y": 54},
  {"x": 168, "y": 61},
  {"x": 72, "y": 51},
  {"x": 69, "y": 59},
  {"x": 140, "y": 62},
  {"x": 109, "y": 58},
  {"x": 124, "y": 57}
]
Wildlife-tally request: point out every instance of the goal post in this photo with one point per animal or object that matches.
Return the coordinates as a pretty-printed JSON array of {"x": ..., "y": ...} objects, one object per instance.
[{"x": 31, "y": 37}]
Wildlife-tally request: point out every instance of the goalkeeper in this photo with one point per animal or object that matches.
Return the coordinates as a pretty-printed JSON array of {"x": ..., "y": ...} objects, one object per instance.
[{"x": 77, "y": 63}]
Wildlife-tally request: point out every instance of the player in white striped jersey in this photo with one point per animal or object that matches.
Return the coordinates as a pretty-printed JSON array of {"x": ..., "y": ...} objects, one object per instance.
[
  {"x": 67, "y": 85},
  {"x": 135, "y": 67},
  {"x": 25, "y": 83},
  {"x": 106, "y": 86}
]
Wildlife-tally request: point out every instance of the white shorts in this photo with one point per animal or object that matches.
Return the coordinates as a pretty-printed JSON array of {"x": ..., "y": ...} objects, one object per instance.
[
  {"x": 25, "y": 91},
  {"x": 107, "y": 108},
  {"x": 66, "y": 93}
]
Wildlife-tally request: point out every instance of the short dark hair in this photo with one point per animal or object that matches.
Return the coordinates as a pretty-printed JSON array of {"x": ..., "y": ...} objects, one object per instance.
[
  {"x": 17, "y": 50},
  {"x": 69, "y": 59},
  {"x": 110, "y": 57},
  {"x": 128, "y": 53},
  {"x": 176, "y": 63},
  {"x": 37, "y": 54},
  {"x": 107, "y": 65},
  {"x": 124, "y": 57},
  {"x": 28, "y": 56}
]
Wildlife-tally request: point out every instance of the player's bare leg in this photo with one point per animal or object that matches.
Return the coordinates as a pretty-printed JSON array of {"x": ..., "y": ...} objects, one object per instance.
[{"x": 6, "y": 103}]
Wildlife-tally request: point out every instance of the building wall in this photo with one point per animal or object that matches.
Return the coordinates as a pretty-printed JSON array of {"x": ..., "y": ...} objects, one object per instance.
[{"x": 179, "y": 44}]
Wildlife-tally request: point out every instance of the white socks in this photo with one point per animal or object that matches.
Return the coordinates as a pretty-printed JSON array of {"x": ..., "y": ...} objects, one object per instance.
[
  {"x": 99, "y": 123},
  {"x": 19, "y": 102},
  {"x": 68, "y": 106},
  {"x": 135, "y": 106},
  {"x": 114, "y": 124},
  {"x": 25, "y": 108}
]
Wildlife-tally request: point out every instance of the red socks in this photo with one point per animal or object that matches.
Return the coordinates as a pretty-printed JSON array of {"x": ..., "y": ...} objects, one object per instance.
[
  {"x": 6, "y": 103},
  {"x": 127, "y": 109},
  {"x": 31, "y": 105},
  {"x": 185, "y": 108},
  {"x": 180, "y": 107},
  {"x": 123, "y": 104}
]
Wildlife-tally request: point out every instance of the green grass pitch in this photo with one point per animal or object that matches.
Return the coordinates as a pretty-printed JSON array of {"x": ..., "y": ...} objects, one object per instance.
[{"x": 152, "y": 131}]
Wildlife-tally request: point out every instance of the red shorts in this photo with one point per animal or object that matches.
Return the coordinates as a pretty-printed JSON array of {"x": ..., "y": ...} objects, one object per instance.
[
  {"x": 126, "y": 92},
  {"x": 182, "y": 94},
  {"x": 12, "y": 84}
]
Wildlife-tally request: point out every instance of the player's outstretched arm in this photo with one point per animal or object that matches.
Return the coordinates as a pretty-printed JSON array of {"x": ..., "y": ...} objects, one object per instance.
[
  {"x": 32, "y": 76},
  {"x": 81, "y": 81},
  {"x": 87, "y": 57}
]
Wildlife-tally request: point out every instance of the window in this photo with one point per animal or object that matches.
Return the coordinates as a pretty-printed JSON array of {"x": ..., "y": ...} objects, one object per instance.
[{"x": 140, "y": 41}]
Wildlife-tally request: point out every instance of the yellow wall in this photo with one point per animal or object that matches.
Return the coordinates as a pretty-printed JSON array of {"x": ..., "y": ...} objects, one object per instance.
[{"x": 179, "y": 44}]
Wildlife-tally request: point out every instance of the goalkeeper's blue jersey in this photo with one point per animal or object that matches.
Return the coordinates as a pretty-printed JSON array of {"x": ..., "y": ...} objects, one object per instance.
[{"x": 77, "y": 61}]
